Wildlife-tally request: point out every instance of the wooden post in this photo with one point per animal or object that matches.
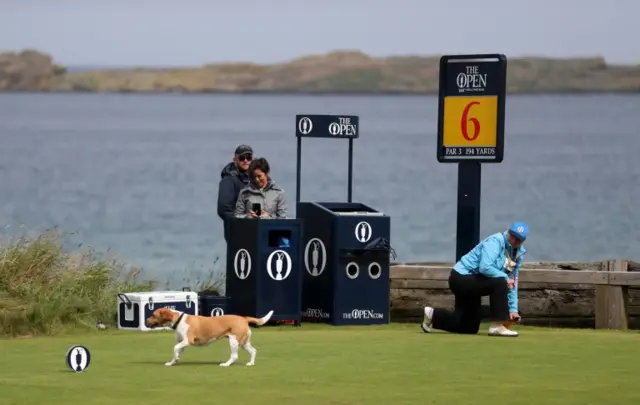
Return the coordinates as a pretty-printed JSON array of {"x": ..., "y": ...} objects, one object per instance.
[{"x": 612, "y": 301}]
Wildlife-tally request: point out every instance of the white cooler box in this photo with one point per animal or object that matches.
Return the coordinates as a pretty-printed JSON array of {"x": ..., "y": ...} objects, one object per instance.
[{"x": 135, "y": 308}]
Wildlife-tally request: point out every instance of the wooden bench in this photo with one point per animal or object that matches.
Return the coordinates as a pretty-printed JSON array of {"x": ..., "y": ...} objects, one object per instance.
[{"x": 611, "y": 280}]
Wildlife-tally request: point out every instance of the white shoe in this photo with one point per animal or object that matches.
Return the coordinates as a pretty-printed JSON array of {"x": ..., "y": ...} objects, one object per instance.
[
  {"x": 500, "y": 330},
  {"x": 428, "y": 320}
]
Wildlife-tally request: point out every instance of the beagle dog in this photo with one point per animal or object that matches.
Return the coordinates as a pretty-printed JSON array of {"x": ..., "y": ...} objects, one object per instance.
[{"x": 193, "y": 330}]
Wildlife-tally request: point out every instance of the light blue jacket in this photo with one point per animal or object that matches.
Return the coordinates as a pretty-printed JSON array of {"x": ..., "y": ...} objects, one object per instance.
[{"x": 489, "y": 259}]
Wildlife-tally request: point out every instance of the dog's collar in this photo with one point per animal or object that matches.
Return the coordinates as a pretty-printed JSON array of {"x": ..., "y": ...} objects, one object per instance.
[{"x": 175, "y": 325}]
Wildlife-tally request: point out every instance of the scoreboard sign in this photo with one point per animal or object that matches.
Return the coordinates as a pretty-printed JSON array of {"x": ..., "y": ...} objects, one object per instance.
[{"x": 471, "y": 108}]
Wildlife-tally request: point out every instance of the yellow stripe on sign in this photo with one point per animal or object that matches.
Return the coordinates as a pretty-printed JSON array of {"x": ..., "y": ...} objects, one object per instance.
[{"x": 470, "y": 121}]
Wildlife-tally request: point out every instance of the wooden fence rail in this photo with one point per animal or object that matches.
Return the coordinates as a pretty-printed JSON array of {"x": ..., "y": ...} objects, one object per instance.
[{"x": 599, "y": 289}]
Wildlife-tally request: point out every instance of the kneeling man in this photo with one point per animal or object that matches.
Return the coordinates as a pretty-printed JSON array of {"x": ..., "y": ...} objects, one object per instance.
[{"x": 491, "y": 268}]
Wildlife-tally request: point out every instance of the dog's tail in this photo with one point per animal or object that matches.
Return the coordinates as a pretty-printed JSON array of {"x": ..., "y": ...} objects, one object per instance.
[{"x": 259, "y": 321}]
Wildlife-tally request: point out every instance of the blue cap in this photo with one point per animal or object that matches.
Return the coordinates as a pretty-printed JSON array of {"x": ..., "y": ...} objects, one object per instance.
[{"x": 520, "y": 230}]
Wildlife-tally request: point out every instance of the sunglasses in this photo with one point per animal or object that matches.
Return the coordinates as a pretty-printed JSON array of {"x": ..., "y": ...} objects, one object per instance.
[{"x": 243, "y": 158}]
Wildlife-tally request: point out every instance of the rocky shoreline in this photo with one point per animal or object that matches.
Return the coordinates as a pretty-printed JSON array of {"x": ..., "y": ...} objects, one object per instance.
[{"x": 340, "y": 72}]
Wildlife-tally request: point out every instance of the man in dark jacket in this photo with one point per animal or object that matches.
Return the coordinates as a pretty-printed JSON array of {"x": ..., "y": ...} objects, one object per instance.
[{"x": 233, "y": 178}]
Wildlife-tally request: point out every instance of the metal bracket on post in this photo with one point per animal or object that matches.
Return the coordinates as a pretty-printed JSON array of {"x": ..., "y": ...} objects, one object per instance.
[
  {"x": 471, "y": 111},
  {"x": 325, "y": 126}
]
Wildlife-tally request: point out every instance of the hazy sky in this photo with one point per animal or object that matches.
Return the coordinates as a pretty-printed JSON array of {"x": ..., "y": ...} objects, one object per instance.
[{"x": 193, "y": 32}]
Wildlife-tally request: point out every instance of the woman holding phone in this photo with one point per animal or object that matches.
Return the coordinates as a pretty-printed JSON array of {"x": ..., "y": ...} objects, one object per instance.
[{"x": 262, "y": 198}]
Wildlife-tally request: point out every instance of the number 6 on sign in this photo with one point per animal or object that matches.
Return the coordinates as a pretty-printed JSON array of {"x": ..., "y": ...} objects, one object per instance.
[
  {"x": 470, "y": 121},
  {"x": 464, "y": 123}
]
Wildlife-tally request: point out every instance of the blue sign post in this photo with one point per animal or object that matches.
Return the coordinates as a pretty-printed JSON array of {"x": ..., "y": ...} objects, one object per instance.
[
  {"x": 346, "y": 244},
  {"x": 326, "y": 126},
  {"x": 471, "y": 110}
]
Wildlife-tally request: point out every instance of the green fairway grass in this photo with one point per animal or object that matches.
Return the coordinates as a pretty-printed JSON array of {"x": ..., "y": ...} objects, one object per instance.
[{"x": 313, "y": 365}]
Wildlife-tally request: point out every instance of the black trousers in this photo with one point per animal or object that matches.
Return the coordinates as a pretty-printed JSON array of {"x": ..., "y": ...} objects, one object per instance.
[{"x": 468, "y": 291}]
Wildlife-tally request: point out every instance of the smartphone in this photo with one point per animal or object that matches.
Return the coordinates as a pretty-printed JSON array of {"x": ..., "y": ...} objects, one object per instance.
[{"x": 255, "y": 207}]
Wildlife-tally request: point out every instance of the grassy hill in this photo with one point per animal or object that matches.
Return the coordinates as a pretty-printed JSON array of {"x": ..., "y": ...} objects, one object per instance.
[{"x": 335, "y": 72}]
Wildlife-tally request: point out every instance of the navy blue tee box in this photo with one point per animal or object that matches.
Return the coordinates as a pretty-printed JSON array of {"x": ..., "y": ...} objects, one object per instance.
[
  {"x": 263, "y": 268},
  {"x": 213, "y": 304},
  {"x": 345, "y": 282}
]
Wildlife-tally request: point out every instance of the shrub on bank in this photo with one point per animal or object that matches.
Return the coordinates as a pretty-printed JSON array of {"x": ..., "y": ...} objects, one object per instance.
[{"x": 45, "y": 290}]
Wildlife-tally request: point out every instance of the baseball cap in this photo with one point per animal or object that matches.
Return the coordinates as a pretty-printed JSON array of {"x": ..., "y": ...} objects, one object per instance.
[
  {"x": 520, "y": 230},
  {"x": 243, "y": 150}
]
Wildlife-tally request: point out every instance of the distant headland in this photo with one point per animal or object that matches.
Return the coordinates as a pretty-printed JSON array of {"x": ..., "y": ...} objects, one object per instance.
[{"x": 346, "y": 72}]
